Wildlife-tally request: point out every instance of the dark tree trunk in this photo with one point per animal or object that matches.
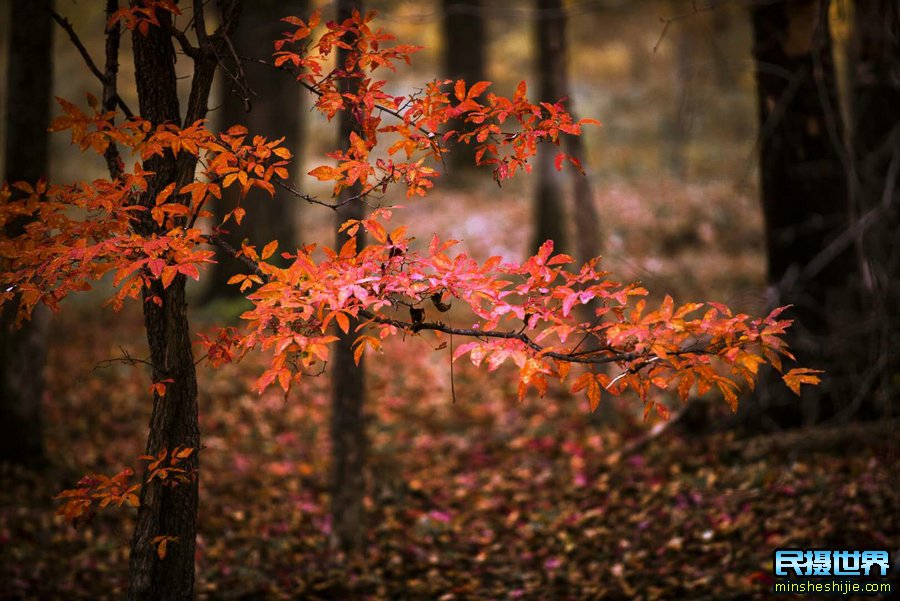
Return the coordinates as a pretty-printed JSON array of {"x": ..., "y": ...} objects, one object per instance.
[
  {"x": 805, "y": 197},
  {"x": 553, "y": 73},
  {"x": 587, "y": 220},
  {"x": 167, "y": 510},
  {"x": 876, "y": 109},
  {"x": 23, "y": 351},
  {"x": 464, "y": 58},
  {"x": 550, "y": 44},
  {"x": 348, "y": 436},
  {"x": 275, "y": 110}
]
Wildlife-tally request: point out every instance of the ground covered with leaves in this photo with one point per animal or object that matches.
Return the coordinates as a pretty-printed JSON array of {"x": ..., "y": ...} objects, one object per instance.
[
  {"x": 471, "y": 494},
  {"x": 481, "y": 498}
]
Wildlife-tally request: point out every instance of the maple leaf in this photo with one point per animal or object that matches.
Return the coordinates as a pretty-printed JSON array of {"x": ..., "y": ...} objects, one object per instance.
[{"x": 801, "y": 375}]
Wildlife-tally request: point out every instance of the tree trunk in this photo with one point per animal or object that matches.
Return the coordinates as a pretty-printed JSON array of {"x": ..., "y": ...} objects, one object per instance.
[
  {"x": 464, "y": 58},
  {"x": 275, "y": 110},
  {"x": 23, "y": 351},
  {"x": 805, "y": 197},
  {"x": 876, "y": 109},
  {"x": 550, "y": 41},
  {"x": 676, "y": 128},
  {"x": 167, "y": 510},
  {"x": 348, "y": 436}
]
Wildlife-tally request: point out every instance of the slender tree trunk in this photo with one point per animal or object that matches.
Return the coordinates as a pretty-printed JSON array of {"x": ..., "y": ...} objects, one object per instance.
[
  {"x": 805, "y": 198},
  {"x": 23, "y": 351},
  {"x": 276, "y": 110},
  {"x": 550, "y": 41},
  {"x": 348, "y": 436},
  {"x": 876, "y": 109},
  {"x": 550, "y": 31},
  {"x": 167, "y": 510},
  {"x": 677, "y": 124},
  {"x": 464, "y": 58}
]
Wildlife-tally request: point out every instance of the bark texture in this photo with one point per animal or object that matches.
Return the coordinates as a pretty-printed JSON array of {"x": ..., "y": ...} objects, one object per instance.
[
  {"x": 167, "y": 510},
  {"x": 348, "y": 436},
  {"x": 804, "y": 186}
]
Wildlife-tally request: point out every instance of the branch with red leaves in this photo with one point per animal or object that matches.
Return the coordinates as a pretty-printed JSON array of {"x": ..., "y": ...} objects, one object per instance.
[{"x": 522, "y": 312}]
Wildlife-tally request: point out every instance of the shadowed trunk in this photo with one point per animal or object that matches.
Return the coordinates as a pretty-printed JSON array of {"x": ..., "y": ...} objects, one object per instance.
[
  {"x": 169, "y": 510},
  {"x": 348, "y": 436},
  {"x": 805, "y": 197},
  {"x": 464, "y": 58},
  {"x": 553, "y": 57},
  {"x": 23, "y": 351},
  {"x": 550, "y": 42},
  {"x": 876, "y": 109},
  {"x": 275, "y": 110}
]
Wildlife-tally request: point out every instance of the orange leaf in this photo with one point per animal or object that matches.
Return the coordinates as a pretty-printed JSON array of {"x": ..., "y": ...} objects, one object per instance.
[
  {"x": 801, "y": 375},
  {"x": 269, "y": 249},
  {"x": 343, "y": 321}
]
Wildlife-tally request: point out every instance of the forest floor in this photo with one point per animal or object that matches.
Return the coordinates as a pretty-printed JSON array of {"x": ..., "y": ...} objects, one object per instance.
[{"x": 472, "y": 495}]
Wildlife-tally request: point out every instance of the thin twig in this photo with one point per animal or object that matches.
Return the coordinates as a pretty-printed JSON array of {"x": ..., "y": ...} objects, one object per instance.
[
  {"x": 667, "y": 21},
  {"x": 125, "y": 358},
  {"x": 333, "y": 206},
  {"x": 240, "y": 79}
]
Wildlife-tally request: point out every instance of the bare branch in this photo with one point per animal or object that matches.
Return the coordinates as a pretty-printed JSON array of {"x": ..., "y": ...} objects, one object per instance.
[
  {"x": 317, "y": 92},
  {"x": 183, "y": 41},
  {"x": 200, "y": 23},
  {"x": 333, "y": 206},
  {"x": 239, "y": 78},
  {"x": 76, "y": 41}
]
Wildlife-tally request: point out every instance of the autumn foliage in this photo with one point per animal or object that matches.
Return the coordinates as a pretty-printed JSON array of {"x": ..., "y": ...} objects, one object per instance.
[{"x": 528, "y": 313}]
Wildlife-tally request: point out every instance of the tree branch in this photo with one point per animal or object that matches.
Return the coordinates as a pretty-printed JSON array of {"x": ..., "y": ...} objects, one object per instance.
[
  {"x": 76, "y": 41},
  {"x": 592, "y": 357},
  {"x": 110, "y": 77},
  {"x": 317, "y": 92},
  {"x": 333, "y": 206}
]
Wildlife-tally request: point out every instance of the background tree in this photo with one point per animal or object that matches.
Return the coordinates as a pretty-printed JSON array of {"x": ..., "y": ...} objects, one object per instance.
[
  {"x": 348, "y": 433},
  {"x": 275, "y": 109},
  {"x": 805, "y": 197},
  {"x": 550, "y": 33},
  {"x": 140, "y": 226},
  {"x": 464, "y": 57},
  {"x": 875, "y": 80},
  {"x": 550, "y": 49},
  {"x": 29, "y": 79},
  {"x": 677, "y": 124}
]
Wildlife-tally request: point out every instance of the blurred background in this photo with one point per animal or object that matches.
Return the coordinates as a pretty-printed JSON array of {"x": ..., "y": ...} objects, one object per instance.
[{"x": 469, "y": 493}]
